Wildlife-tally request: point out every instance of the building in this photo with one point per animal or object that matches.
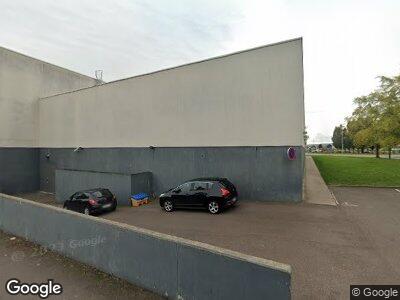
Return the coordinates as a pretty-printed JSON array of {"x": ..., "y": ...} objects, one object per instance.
[{"x": 233, "y": 116}]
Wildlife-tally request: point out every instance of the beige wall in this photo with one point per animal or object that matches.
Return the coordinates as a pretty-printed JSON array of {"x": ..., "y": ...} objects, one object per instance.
[
  {"x": 252, "y": 98},
  {"x": 23, "y": 80}
]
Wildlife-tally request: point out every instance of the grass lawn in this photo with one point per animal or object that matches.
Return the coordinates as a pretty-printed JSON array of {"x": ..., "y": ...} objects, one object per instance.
[{"x": 362, "y": 171}]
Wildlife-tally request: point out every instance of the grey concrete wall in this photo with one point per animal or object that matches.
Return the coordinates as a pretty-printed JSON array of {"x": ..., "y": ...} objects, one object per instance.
[
  {"x": 67, "y": 182},
  {"x": 259, "y": 173},
  {"x": 170, "y": 266},
  {"x": 19, "y": 170}
]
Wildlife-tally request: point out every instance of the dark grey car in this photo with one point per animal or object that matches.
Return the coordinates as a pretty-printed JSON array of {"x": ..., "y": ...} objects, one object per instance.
[{"x": 92, "y": 201}]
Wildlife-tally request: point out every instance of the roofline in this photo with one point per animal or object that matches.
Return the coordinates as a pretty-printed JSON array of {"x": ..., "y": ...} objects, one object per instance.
[
  {"x": 183, "y": 65},
  {"x": 47, "y": 63}
]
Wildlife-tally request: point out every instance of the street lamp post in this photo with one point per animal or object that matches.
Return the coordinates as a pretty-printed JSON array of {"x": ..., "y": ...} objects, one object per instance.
[{"x": 342, "y": 138}]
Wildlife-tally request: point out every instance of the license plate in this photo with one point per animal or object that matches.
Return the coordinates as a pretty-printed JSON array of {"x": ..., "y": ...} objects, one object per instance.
[{"x": 107, "y": 205}]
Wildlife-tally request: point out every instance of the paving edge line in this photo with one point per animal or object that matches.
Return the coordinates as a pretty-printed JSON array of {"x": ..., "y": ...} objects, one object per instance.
[
  {"x": 334, "y": 197},
  {"x": 199, "y": 245}
]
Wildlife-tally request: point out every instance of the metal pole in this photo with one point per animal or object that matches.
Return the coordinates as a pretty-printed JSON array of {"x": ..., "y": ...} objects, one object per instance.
[{"x": 342, "y": 137}]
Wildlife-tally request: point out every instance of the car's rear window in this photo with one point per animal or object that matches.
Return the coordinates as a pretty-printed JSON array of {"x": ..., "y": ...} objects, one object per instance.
[
  {"x": 102, "y": 193},
  {"x": 97, "y": 194},
  {"x": 227, "y": 184},
  {"x": 106, "y": 193}
]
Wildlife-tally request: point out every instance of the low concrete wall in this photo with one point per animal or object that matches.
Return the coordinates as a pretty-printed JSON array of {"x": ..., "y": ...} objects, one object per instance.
[
  {"x": 122, "y": 185},
  {"x": 174, "y": 267}
]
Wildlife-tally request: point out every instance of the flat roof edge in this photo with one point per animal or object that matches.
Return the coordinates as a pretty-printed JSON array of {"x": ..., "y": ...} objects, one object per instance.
[{"x": 47, "y": 63}]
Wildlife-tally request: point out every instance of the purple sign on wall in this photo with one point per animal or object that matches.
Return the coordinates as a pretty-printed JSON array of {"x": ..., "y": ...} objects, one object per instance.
[{"x": 291, "y": 153}]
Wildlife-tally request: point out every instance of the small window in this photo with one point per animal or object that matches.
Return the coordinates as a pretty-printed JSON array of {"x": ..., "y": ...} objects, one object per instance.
[{"x": 186, "y": 187}]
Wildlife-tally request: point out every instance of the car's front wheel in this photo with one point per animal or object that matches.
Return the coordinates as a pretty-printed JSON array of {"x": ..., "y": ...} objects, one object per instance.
[
  {"x": 168, "y": 205},
  {"x": 214, "y": 207}
]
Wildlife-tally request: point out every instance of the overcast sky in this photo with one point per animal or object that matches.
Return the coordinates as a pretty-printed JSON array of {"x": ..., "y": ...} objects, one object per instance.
[{"x": 346, "y": 43}]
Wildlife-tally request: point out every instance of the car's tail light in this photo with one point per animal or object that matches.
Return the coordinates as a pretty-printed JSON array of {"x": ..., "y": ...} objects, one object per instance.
[
  {"x": 225, "y": 192},
  {"x": 92, "y": 202}
]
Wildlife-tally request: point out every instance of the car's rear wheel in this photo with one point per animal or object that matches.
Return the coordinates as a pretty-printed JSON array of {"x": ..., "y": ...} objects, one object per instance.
[
  {"x": 86, "y": 211},
  {"x": 214, "y": 207},
  {"x": 168, "y": 205}
]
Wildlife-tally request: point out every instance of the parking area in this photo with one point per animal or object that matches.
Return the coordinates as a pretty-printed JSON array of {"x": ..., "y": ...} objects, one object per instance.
[{"x": 328, "y": 247}]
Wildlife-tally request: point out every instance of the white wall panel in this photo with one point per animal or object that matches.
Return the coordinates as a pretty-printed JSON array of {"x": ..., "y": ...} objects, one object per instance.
[
  {"x": 23, "y": 80},
  {"x": 251, "y": 98}
]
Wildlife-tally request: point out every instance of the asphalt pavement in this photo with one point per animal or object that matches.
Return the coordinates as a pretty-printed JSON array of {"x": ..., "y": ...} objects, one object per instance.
[{"x": 328, "y": 247}]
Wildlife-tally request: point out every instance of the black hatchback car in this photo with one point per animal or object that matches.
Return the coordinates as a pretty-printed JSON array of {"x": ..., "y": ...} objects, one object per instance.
[
  {"x": 92, "y": 201},
  {"x": 214, "y": 194}
]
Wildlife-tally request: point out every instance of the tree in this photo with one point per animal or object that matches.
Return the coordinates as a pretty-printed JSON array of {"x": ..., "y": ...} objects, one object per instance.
[
  {"x": 367, "y": 115},
  {"x": 337, "y": 138},
  {"x": 356, "y": 127},
  {"x": 389, "y": 110},
  {"x": 347, "y": 140},
  {"x": 376, "y": 120}
]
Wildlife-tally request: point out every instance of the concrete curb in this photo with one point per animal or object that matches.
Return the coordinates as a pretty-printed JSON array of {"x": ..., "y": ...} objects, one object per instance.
[{"x": 365, "y": 186}]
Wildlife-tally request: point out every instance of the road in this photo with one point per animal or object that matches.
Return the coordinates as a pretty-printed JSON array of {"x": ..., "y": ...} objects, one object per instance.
[{"x": 29, "y": 263}]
